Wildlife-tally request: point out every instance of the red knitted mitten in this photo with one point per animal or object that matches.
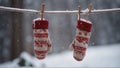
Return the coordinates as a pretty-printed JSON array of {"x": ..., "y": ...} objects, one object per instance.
[
  {"x": 42, "y": 43},
  {"x": 81, "y": 40}
]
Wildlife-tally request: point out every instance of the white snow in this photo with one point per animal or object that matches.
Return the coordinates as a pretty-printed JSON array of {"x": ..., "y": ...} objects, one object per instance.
[{"x": 97, "y": 56}]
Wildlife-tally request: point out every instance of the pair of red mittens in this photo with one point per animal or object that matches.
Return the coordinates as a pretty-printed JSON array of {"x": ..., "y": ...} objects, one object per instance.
[
  {"x": 42, "y": 44},
  {"x": 80, "y": 43}
]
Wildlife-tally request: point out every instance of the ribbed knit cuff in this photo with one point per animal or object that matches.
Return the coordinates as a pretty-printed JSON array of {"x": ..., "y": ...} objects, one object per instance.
[
  {"x": 40, "y": 24},
  {"x": 84, "y": 25}
]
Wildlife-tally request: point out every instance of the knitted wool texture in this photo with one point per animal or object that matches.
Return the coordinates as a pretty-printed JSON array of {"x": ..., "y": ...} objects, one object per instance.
[
  {"x": 42, "y": 44},
  {"x": 80, "y": 43}
]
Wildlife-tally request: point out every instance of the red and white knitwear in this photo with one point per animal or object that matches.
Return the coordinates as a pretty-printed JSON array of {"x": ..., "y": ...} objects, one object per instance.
[
  {"x": 80, "y": 43},
  {"x": 42, "y": 44}
]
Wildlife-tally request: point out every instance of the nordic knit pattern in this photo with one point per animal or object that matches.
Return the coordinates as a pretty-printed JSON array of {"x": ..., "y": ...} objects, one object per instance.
[
  {"x": 80, "y": 43},
  {"x": 42, "y": 44}
]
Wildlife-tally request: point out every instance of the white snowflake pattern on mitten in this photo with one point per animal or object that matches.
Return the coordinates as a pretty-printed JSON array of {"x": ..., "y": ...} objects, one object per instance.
[
  {"x": 42, "y": 44},
  {"x": 80, "y": 43}
]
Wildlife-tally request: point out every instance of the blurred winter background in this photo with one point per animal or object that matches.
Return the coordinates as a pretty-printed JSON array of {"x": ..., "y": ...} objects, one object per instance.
[{"x": 16, "y": 40}]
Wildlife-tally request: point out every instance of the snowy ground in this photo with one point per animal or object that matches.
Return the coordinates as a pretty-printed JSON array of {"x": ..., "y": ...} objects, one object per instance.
[{"x": 97, "y": 56}]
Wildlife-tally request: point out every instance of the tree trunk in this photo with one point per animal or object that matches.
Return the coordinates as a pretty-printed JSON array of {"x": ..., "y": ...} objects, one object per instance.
[{"x": 16, "y": 40}]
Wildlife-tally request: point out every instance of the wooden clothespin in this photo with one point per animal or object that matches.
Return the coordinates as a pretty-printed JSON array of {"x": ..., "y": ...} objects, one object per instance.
[
  {"x": 89, "y": 8},
  {"x": 42, "y": 11},
  {"x": 79, "y": 11}
]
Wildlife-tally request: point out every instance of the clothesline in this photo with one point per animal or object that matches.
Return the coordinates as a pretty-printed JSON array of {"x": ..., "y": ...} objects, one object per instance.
[{"x": 58, "y": 12}]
